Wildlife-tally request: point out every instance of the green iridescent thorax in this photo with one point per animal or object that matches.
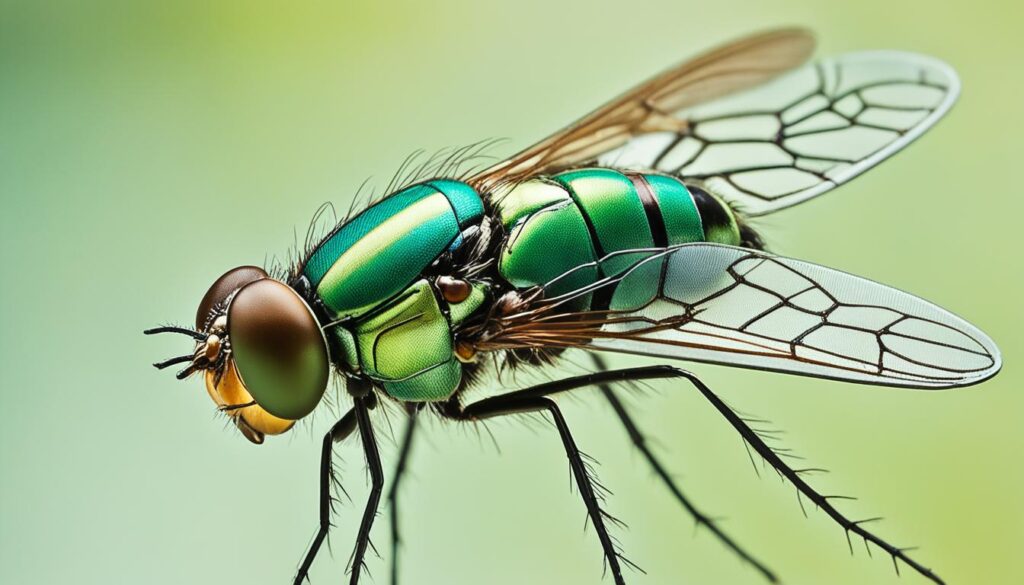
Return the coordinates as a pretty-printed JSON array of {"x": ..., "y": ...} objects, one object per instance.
[
  {"x": 407, "y": 344},
  {"x": 369, "y": 273},
  {"x": 555, "y": 224},
  {"x": 382, "y": 250}
]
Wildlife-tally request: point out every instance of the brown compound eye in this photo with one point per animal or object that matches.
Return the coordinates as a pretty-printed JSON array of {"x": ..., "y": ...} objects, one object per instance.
[
  {"x": 278, "y": 348},
  {"x": 222, "y": 288}
]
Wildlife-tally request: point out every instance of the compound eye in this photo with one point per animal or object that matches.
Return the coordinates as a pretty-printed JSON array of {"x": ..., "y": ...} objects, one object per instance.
[
  {"x": 278, "y": 348},
  {"x": 222, "y": 288}
]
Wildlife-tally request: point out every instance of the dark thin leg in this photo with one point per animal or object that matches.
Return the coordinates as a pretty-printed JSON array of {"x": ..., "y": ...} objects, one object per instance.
[
  {"x": 403, "y": 458},
  {"x": 821, "y": 501},
  {"x": 501, "y": 404},
  {"x": 342, "y": 429},
  {"x": 525, "y": 401},
  {"x": 357, "y": 418},
  {"x": 640, "y": 442},
  {"x": 362, "y": 408}
]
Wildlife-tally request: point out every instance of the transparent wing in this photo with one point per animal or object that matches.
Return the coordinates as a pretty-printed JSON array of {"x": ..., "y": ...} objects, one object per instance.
[
  {"x": 650, "y": 106},
  {"x": 802, "y": 133},
  {"x": 746, "y": 308}
]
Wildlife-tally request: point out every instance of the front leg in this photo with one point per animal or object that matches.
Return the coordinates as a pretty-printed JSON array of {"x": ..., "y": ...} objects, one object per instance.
[
  {"x": 356, "y": 418},
  {"x": 519, "y": 403},
  {"x": 340, "y": 431},
  {"x": 362, "y": 408}
]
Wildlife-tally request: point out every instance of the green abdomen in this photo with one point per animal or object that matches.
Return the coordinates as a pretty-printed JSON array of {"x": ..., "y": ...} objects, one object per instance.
[{"x": 555, "y": 224}]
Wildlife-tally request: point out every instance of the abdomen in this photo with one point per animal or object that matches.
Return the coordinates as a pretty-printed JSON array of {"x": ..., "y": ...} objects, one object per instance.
[{"x": 557, "y": 223}]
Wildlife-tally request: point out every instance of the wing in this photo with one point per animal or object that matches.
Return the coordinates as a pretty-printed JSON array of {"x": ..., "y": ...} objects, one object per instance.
[
  {"x": 649, "y": 107},
  {"x": 747, "y": 308},
  {"x": 802, "y": 134}
]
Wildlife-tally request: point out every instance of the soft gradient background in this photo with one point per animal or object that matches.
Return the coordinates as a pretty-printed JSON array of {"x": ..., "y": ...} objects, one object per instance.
[{"x": 147, "y": 147}]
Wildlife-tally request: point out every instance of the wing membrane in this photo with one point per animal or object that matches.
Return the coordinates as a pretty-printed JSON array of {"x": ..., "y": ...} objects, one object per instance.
[
  {"x": 803, "y": 133},
  {"x": 747, "y": 308},
  {"x": 649, "y": 107},
  {"x": 748, "y": 123}
]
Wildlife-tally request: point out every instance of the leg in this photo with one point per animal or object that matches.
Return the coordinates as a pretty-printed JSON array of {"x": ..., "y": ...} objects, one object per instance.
[
  {"x": 793, "y": 475},
  {"x": 495, "y": 404},
  {"x": 403, "y": 459},
  {"x": 640, "y": 442},
  {"x": 517, "y": 403},
  {"x": 341, "y": 430},
  {"x": 362, "y": 408},
  {"x": 357, "y": 418}
]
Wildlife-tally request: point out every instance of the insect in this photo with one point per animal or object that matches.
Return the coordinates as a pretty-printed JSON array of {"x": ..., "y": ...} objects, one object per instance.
[{"x": 628, "y": 231}]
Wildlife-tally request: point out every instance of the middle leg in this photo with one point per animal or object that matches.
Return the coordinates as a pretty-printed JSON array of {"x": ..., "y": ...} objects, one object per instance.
[
  {"x": 520, "y": 403},
  {"x": 363, "y": 404},
  {"x": 339, "y": 432},
  {"x": 640, "y": 442},
  {"x": 403, "y": 460},
  {"x": 749, "y": 435}
]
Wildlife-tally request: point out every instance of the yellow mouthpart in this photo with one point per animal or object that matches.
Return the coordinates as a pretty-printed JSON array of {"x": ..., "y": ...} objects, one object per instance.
[{"x": 252, "y": 421}]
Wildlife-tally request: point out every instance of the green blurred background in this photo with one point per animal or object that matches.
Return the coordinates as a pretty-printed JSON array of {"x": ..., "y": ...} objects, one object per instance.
[{"x": 147, "y": 147}]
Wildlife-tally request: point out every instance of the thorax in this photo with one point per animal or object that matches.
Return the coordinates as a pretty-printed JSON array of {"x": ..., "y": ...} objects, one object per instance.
[{"x": 375, "y": 287}]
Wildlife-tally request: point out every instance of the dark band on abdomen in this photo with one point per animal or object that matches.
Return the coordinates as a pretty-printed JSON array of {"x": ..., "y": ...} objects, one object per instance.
[{"x": 651, "y": 208}]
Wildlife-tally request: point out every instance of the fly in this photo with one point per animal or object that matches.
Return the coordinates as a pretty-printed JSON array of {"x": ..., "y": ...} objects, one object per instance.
[{"x": 626, "y": 232}]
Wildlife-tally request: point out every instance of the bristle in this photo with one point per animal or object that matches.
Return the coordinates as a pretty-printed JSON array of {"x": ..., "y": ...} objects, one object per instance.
[{"x": 447, "y": 163}]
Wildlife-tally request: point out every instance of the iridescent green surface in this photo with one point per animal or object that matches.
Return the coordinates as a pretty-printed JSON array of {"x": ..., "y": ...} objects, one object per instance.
[
  {"x": 682, "y": 221},
  {"x": 540, "y": 217},
  {"x": 556, "y": 224},
  {"x": 347, "y": 350},
  {"x": 379, "y": 252},
  {"x": 610, "y": 203},
  {"x": 405, "y": 343},
  {"x": 146, "y": 148}
]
